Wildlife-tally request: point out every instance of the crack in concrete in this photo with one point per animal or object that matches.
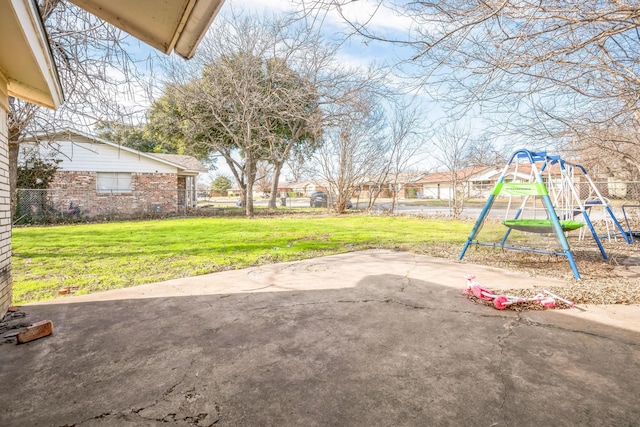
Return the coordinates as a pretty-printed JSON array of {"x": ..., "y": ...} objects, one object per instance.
[
  {"x": 510, "y": 326},
  {"x": 186, "y": 406},
  {"x": 406, "y": 280},
  {"x": 616, "y": 339},
  {"x": 521, "y": 321},
  {"x": 506, "y": 315},
  {"x": 490, "y": 314},
  {"x": 97, "y": 417},
  {"x": 184, "y": 377},
  {"x": 259, "y": 288},
  {"x": 342, "y": 301},
  {"x": 406, "y": 304},
  {"x": 201, "y": 419}
]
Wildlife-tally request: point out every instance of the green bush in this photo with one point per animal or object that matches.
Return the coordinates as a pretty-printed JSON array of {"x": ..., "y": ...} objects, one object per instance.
[{"x": 411, "y": 193}]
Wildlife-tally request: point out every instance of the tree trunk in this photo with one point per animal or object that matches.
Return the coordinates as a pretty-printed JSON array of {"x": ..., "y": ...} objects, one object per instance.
[
  {"x": 394, "y": 196},
  {"x": 239, "y": 175},
  {"x": 277, "y": 168},
  {"x": 248, "y": 206},
  {"x": 250, "y": 175}
]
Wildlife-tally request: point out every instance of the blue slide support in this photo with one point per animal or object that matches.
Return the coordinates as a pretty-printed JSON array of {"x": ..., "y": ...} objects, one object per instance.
[
  {"x": 559, "y": 232},
  {"x": 487, "y": 207},
  {"x": 478, "y": 224}
]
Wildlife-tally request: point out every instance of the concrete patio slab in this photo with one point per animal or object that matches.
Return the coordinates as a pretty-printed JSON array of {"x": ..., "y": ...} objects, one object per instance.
[
  {"x": 331, "y": 272},
  {"x": 361, "y": 339}
]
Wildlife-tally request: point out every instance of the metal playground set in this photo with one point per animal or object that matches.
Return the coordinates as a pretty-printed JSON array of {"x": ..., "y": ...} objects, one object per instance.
[{"x": 542, "y": 198}]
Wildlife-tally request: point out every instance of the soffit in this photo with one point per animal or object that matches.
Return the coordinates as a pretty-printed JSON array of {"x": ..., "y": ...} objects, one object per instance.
[
  {"x": 25, "y": 57},
  {"x": 167, "y": 25}
]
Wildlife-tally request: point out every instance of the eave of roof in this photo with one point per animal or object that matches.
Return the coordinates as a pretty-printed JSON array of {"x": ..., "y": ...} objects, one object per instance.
[
  {"x": 189, "y": 163},
  {"x": 167, "y": 25},
  {"x": 25, "y": 56},
  {"x": 446, "y": 176}
]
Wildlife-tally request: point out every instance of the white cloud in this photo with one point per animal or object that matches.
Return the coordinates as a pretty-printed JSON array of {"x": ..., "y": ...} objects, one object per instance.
[
  {"x": 260, "y": 5},
  {"x": 375, "y": 15}
]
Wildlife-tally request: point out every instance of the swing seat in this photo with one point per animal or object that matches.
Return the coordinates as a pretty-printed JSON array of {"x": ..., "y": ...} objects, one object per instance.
[{"x": 540, "y": 225}]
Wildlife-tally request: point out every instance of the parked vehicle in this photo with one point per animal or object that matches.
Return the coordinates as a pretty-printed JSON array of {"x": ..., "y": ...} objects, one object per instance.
[{"x": 320, "y": 199}]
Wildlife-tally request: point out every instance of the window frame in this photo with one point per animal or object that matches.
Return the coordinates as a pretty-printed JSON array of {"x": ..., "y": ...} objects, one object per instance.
[{"x": 118, "y": 177}]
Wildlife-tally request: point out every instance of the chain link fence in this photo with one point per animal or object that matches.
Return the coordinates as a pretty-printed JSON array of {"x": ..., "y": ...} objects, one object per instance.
[
  {"x": 50, "y": 206},
  {"x": 618, "y": 192}
]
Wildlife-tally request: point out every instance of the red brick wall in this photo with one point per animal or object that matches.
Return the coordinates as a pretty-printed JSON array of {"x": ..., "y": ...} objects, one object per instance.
[
  {"x": 150, "y": 193},
  {"x": 182, "y": 187}
]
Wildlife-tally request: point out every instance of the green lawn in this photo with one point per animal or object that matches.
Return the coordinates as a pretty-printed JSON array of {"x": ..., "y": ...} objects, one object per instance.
[{"x": 97, "y": 257}]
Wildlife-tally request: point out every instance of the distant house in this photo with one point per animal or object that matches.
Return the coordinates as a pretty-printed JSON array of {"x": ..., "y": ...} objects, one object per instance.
[
  {"x": 292, "y": 189},
  {"x": 302, "y": 188},
  {"x": 367, "y": 188},
  {"x": 405, "y": 184},
  {"x": 101, "y": 177},
  {"x": 477, "y": 182}
]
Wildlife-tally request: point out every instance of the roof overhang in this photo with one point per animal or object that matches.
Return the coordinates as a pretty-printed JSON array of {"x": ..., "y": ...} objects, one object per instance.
[
  {"x": 167, "y": 25},
  {"x": 25, "y": 57}
]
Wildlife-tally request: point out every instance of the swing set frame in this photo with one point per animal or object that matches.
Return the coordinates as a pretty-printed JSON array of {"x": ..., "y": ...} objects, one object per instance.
[{"x": 563, "y": 197}]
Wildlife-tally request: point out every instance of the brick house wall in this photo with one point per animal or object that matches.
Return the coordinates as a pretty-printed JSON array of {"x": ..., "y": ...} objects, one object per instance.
[
  {"x": 5, "y": 217},
  {"x": 150, "y": 193},
  {"x": 182, "y": 191}
]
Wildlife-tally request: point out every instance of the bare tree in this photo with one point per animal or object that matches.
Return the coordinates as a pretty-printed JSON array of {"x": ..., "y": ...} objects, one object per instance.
[
  {"x": 355, "y": 145},
  {"x": 264, "y": 175},
  {"x": 609, "y": 150},
  {"x": 297, "y": 164},
  {"x": 454, "y": 145},
  {"x": 546, "y": 72},
  {"x": 408, "y": 145},
  {"x": 482, "y": 151}
]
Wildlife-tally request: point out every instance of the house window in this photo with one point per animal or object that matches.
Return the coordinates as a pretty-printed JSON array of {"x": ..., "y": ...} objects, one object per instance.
[{"x": 114, "y": 182}]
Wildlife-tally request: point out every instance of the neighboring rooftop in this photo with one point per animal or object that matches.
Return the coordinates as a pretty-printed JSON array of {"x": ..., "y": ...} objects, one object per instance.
[{"x": 190, "y": 163}]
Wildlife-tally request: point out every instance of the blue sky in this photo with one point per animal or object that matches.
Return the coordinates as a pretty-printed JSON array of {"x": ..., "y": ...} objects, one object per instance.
[{"x": 355, "y": 51}]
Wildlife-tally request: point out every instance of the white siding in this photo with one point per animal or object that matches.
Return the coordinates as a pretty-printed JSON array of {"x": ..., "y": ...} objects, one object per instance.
[
  {"x": 89, "y": 156},
  {"x": 444, "y": 192},
  {"x": 6, "y": 287}
]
